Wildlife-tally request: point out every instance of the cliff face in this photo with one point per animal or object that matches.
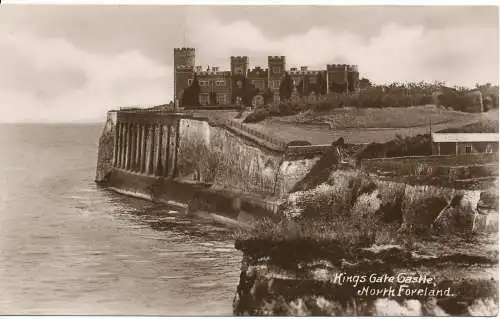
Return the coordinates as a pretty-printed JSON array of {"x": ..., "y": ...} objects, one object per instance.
[
  {"x": 297, "y": 278},
  {"x": 106, "y": 146},
  {"x": 213, "y": 154}
]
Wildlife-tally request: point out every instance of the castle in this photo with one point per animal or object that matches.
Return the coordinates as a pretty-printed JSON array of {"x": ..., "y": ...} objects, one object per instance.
[{"x": 221, "y": 87}]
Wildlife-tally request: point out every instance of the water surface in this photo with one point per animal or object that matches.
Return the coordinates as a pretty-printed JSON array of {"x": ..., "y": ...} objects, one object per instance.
[{"x": 68, "y": 246}]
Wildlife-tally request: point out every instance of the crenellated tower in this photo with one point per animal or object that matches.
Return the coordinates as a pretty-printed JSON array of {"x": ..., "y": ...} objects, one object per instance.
[
  {"x": 184, "y": 62},
  {"x": 277, "y": 68},
  {"x": 342, "y": 78},
  {"x": 239, "y": 65}
]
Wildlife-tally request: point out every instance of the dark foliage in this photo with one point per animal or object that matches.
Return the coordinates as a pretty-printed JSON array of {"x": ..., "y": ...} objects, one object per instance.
[
  {"x": 257, "y": 115},
  {"x": 484, "y": 126},
  {"x": 401, "y": 146},
  {"x": 191, "y": 94},
  {"x": 286, "y": 87},
  {"x": 298, "y": 143},
  {"x": 268, "y": 96}
]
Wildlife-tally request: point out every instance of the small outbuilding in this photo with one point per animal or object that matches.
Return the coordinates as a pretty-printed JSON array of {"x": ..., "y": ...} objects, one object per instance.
[{"x": 464, "y": 143}]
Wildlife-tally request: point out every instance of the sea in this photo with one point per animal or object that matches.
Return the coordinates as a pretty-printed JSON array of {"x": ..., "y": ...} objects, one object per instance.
[{"x": 70, "y": 247}]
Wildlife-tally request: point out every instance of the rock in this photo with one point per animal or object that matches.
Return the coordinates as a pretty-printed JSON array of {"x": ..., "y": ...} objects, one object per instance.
[
  {"x": 456, "y": 219},
  {"x": 366, "y": 205},
  {"x": 486, "y": 222},
  {"x": 422, "y": 204},
  {"x": 483, "y": 308}
]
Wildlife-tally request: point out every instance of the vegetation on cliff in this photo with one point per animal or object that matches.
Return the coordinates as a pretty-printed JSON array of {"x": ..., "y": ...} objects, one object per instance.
[{"x": 355, "y": 209}]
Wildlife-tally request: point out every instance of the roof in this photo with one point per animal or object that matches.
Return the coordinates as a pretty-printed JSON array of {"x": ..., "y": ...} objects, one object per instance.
[{"x": 465, "y": 137}]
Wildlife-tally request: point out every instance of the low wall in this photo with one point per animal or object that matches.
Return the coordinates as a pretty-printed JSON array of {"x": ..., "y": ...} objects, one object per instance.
[{"x": 426, "y": 165}]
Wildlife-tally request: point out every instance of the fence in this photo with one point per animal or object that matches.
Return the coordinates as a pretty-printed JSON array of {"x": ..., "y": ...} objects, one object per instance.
[{"x": 256, "y": 133}]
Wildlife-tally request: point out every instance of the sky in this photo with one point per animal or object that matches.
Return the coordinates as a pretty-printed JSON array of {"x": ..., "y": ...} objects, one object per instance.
[{"x": 73, "y": 63}]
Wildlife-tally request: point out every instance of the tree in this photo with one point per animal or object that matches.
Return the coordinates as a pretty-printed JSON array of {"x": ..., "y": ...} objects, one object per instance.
[
  {"x": 213, "y": 98},
  {"x": 365, "y": 83},
  {"x": 320, "y": 84},
  {"x": 191, "y": 94},
  {"x": 286, "y": 87},
  {"x": 268, "y": 96},
  {"x": 300, "y": 87}
]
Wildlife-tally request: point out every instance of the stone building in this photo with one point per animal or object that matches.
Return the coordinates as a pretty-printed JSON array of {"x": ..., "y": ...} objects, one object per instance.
[
  {"x": 225, "y": 87},
  {"x": 215, "y": 86}
]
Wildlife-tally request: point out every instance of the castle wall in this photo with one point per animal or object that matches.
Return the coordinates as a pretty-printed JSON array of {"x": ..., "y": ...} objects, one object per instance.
[{"x": 213, "y": 154}]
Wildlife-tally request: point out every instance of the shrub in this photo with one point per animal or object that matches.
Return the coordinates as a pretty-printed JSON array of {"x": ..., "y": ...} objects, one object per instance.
[
  {"x": 417, "y": 145},
  {"x": 257, "y": 116},
  {"x": 346, "y": 231},
  {"x": 298, "y": 143}
]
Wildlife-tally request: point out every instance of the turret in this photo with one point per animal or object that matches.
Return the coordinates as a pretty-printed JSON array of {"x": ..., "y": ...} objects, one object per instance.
[
  {"x": 184, "y": 63},
  {"x": 239, "y": 65}
]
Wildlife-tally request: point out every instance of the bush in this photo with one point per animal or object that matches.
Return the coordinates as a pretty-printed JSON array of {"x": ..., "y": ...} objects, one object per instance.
[
  {"x": 257, "y": 116},
  {"x": 298, "y": 143},
  {"x": 417, "y": 145}
]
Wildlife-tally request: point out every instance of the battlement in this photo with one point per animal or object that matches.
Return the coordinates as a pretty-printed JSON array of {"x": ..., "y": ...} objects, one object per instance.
[
  {"x": 276, "y": 58},
  {"x": 335, "y": 67},
  {"x": 306, "y": 72},
  {"x": 185, "y": 50},
  {"x": 213, "y": 73},
  {"x": 257, "y": 72},
  {"x": 239, "y": 58}
]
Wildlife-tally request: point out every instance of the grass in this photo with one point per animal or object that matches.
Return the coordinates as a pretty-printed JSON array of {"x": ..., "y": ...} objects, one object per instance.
[
  {"x": 486, "y": 125},
  {"x": 391, "y": 117},
  {"x": 364, "y": 125}
]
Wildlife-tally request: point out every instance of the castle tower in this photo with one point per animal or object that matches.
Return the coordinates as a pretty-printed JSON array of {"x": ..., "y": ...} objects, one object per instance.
[
  {"x": 342, "y": 78},
  {"x": 276, "y": 65},
  {"x": 184, "y": 62},
  {"x": 239, "y": 65}
]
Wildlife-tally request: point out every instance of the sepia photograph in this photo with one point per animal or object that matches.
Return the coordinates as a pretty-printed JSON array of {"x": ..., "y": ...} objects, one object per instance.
[{"x": 249, "y": 159}]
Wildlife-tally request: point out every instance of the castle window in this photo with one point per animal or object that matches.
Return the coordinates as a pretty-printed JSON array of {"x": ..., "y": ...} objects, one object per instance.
[
  {"x": 259, "y": 84},
  {"x": 276, "y": 98},
  {"x": 203, "y": 83},
  {"x": 221, "y": 98},
  {"x": 468, "y": 148},
  {"x": 204, "y": 98},
  {"x": 489, "y": 148},
  {"x": 220, "y": 83},
  {"x": 238, "y": 70},
  {"x": 190, "y": 81},
  {"x": 276, "y": 69},
  {"x": 275, "y": 84}
]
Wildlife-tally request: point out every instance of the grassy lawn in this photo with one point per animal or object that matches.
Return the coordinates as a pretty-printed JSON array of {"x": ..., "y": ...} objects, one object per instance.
[
  {"x": 343, "y": 118},
  {"x": 374, "y": 125},
  {"x": 363, "y": 126}
]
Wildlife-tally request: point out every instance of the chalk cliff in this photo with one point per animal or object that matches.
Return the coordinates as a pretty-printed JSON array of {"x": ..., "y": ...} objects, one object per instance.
[{"x": 307, "y": 278}]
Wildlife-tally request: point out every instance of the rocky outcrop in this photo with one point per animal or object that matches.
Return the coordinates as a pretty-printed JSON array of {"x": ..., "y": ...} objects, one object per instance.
[
  {"x": 415, "y": 208},
  {"x": 309, "y": 278},
  {"x": 106, "y": 147}
]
